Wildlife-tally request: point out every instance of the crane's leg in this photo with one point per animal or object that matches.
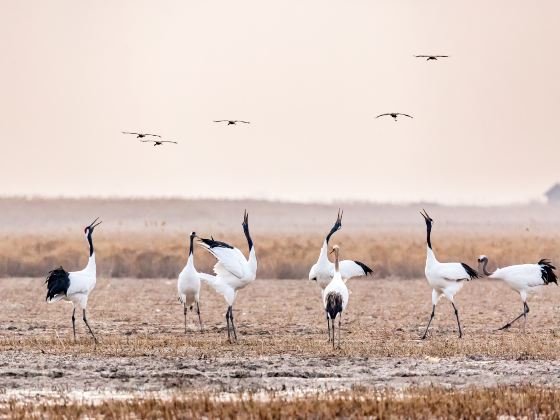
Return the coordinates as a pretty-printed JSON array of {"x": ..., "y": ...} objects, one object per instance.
[
  {"x": 227, "y": 320},
  {"x": 185, "y": 314},
  {"x": 333, "y": 325},
  {"x": 328, "y": 326},
  {"x": 430, "y": 321},
  {"x": 89, "y": 328},
  {"x": 198, "y": 313},
  {"x": 74, "y": 323},
  {"x": 524, "y": 314},
  {"x": 339, "y": 326},
  {"x": 458, "y": 322},
  {"x": 526, "y": 307},
  {"x": 232, "y": 323}
]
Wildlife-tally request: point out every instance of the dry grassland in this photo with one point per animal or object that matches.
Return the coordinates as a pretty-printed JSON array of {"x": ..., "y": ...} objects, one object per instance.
[{"x": 499, "y": 402}]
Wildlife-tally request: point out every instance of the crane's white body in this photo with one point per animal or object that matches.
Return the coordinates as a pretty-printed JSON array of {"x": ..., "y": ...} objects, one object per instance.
[
  {"x": 445, "y": 279},
  {"x": 323, "y": 269},
  {"x": 338, "y": 286},
  {"x": 523, "y": 278},
  {"x": 81, "y": 284},
  {"x": 188, "y": 284},
  {"x": 233, "y": 271}
]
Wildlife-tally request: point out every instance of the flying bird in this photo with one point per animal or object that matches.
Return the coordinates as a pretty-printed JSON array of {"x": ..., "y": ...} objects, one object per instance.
[
  {"x": 233, "y": 271},
  {"x": 158, "y": 142},
  {"x": 188, "y": 285},
  {"x": 323, "y": 270},
  {"x": 335, "y": 298},
  {"x": 445, "y": 279},
  {"x": 233, "y": 122},
  {"x": 75, "y": 286},
  {"x": 394, "y": 115},
  {"x": 431, "y": 57},
  {"x": 524, "y": 279},
  {"x": 141, "y": 135}
]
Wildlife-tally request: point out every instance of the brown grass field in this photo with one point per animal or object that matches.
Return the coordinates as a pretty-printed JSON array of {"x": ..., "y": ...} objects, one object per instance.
[{"x": 145, "y": 366}]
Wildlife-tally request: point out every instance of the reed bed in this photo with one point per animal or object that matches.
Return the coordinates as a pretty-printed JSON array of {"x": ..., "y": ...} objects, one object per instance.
[{"x": 282, "y": 256}]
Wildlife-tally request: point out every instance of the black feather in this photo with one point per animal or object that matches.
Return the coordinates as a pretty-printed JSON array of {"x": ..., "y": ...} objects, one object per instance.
[
  {"x": 547, "y": 272},
  {"x": 366, "y": 269},
  {"x": 334, "y": 304},
  {"x": 472, "y": 273},
  {"x": 58, "y": 282},
  {"x": 215, "y": 244}
]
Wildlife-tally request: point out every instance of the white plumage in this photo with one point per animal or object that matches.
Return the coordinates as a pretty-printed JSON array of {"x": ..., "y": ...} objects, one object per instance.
[
  {"x": 445, "y": 279},
  {"x": 233, "y": 271},
  {"x": 335, "y": 298},
  {"x": 188, "y": 285},
  {"x": 75, "y": 286},
  {"x": 524, "y": 279},
  {"x": 323, "y": 270}
]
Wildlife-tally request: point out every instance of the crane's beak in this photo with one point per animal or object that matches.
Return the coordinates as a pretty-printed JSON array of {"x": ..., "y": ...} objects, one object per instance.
[{"x": 93, "y": 225}]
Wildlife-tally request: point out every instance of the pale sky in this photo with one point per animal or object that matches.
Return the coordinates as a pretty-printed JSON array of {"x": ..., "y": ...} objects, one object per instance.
[{"x": 310, "y": 75}]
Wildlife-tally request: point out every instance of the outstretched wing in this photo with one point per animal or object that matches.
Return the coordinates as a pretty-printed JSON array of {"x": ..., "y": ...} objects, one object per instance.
[
  {"x": 382, "y": 115},
  {"x": 168, "y": 141},
  {"x": 440, "y": 56},
  {"x": 230, "y": 260},
  {"x": 221, "y": 120},
  {"x": 349, "y": 269},
  {"x": 406, "y": 115},
  {"x": 246, "y": 122},
  {"x": 422, "y": 56},
  {"x": 128, "y": 132},
  {"x": 154, "y": 135}
]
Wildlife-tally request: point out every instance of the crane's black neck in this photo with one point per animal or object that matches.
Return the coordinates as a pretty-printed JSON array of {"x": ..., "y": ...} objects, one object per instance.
[
  {"x": 248, "y": 236},
  {"x": 428, "y": 235},
  {"x": 90, "y": 240},
  {"x": 484, "y": 270},
  {"x": 192, "y": 246}
]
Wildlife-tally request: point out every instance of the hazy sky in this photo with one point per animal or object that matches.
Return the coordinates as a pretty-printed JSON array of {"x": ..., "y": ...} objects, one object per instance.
[{"x": 309, "y": 74}]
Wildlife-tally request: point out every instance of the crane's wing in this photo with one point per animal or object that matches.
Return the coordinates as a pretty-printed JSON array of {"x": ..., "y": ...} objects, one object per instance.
[
  {"x": 406, "y": 115},
  {"x": 221, "y": 121},
  {"x": 441, "y": 56},
  {"x": 246, "y": 122},
  {"x": 154, "y": 135},
  {"x": 422, "y": 56},
  {"x": 230, "y": 260},
  {"x": 219, "y": 286},
  {"x": 382, "y": 115},
  {"x": 168, "y": 141},
  {"x": 457, "y": 272},
  {"x": 349, "y": 269},
  {"x": 128, "y": 132}
]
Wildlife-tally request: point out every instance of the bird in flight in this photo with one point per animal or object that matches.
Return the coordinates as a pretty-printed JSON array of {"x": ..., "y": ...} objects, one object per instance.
[
  {"x": 232, "y": 122},
  {"x": 431, "y": 57},
  {"x": 141, "y": 135},
  {"x": 394, "y": 115},
  {"x": 158, "y": 142}
]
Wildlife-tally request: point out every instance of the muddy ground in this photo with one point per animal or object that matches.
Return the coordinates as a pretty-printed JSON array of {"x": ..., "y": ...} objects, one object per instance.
[{"x": 282, "y": 339}]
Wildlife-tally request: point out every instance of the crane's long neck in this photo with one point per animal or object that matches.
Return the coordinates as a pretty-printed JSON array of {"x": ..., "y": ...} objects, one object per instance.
[
  {"x": 248, "y": 236},
  {"x": 336, "y": 262},
  {"x": 90, "y": 241},
  {"x": 191, "y": 248},
  {"x": 324, "y": 255},
  {"x": 428, "y": 235},
  {"x": 484, "y": 270}
]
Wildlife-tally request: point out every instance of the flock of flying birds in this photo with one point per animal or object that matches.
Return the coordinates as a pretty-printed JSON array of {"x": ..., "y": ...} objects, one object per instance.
[
  {"x": 233, "y": 272},
  {"x": 143, "y": 137}
]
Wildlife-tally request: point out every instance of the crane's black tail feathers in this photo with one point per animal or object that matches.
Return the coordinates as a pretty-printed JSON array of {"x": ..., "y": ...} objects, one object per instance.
[
  {"x": 366, "y": 269},
  {"x": 334, "y": 304},
  {"x": 547, "y": 272},
  {"x": 58, "y": 282},
  {"x": 471, "y": 272}
]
